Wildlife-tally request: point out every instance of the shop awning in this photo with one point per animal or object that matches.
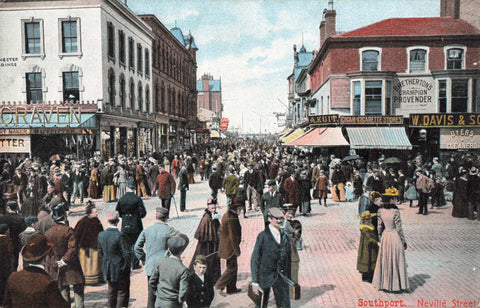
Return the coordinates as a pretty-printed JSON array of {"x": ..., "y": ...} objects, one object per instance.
[
  {"x": 285, "y": 133},
  {"x": 293, "y": 135},
  {"x": 214, "y": 134},
  {"x": 321, "y": 137},
  {"x": 389, "y": 138}
]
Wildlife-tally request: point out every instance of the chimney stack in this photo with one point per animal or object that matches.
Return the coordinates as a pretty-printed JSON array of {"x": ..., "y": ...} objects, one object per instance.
[
  {"x": 330, "y": 20},
  {"x": 450, "y": 8},
  {"x": 323, "y": 35}
]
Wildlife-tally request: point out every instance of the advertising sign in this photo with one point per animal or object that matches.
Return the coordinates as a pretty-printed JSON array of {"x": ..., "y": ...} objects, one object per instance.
[
  {"x": 15, "y": 144},
  {"x": 445, "y": 120},
  {"x": 371, "y": 120},
  {"x": 318, "y": 120},
  {"x": 413, "y": 95},
  {"x": 224, "y": 124},
  {"x": 459, "y": 138}
]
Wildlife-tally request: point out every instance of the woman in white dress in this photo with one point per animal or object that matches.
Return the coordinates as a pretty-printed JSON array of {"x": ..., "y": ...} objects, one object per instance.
[{"x": 391, "y": 268}]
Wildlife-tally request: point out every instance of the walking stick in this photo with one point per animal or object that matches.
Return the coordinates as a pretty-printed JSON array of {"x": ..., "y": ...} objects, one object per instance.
[{"x": 175, "y": 202}]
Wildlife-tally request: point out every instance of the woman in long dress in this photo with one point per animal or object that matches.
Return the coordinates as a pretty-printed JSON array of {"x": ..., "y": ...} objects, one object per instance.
[
  {"x": 121, "y": 176},
  {"x": 87, "y": 230},
  {"x": 94, "y": 183},
  {"x": 391, "y": 268}
]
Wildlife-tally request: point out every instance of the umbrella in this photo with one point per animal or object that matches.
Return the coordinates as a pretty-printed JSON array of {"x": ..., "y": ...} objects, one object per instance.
[
  {"x": 392, "y": 160},
  {"x": 350, "y": 157},
  {"x": 56, "y": 157}
]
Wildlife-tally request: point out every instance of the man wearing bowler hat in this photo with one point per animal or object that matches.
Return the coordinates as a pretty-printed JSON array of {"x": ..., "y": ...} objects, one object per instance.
[
  {"x": 271, "y": 260},
  {"x": 272, "y": 198},
  {"x": 131, "y": 209},
  {"x": 32, "y": 286}
]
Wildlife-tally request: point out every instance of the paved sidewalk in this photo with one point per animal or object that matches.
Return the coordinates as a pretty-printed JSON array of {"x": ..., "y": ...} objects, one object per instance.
[{"x": 443, "y": 257}]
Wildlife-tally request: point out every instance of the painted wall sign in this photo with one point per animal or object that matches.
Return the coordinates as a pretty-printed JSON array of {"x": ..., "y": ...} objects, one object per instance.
[
  {"x": 445, "y": 120},
  {"x": 17, "y": 115},
  {"x": 459, "y": 138},
  {"x": 373, "y": 120},
  {"x": 413, "y": 95},
  {"x": 318, "y": 120},
  {"x": 8, "y": 62},
  {"x": 14, "y": 144}
]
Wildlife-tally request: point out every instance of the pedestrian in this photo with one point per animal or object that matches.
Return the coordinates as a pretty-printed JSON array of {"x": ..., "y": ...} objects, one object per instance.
[
  {"x": 131, "y": 209},
  {"x": 424, "y": 186},
  {"x": 349, "y": 194},
  {"x": 141, "y": 180},
  {"x": 78, "y": 177},
  {"x": 391, "y": 269},
  {"x": 154, "y": 239},
  {"x": 460, "y": 199},
  {"x": 304, "y": 186},
  {"x": 67, "y": 185},
  {"x": 208, "y": 236},
  {"x": 6, "y": 258},
  {"x": 230, "y": 185},
  {"x": 252, "y": 181},
  {"x": 33, "y": 286},
  {"x": 29, "y": 231},
  {"x": 293, "y": 228},
  {"x": 322, "y": 187},
  {"x": 170, "y": 277},
  {"x": 271, "y": 261},
  {"x": 20, "y": 181},
  {"x": 107, "y": 182},
  {"x": 121, "y": 179},
  {"x": 368, "y": 247},
  {"x": 65, "y": 264},
  {"x": 190, "y": 170},
  {"x": 94, "y": 183},
  {"x": 270, "y": 199},
  {"x": 176, "y": 165},
  {"x": 292, "y": 190},
  {"x": 215, "y": 181},
  {"x": 183, "y": 186},
  {"x": 200, "y": 286},
  {"x": 116, "y": 262},
  {"x": 87, "y": 230},
  {"x": 16, "y": 225},
  {"x": 201, "y": 168},
  {"x": 338, "y": 183},
  {"x": 165, "y": 188},
  {"x": 473, "y": 187},
  {"x": 229, "y": 249},
  {"x": 242, "y": 195}
]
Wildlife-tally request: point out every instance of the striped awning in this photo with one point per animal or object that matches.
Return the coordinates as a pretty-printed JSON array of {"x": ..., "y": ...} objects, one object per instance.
[
  {"x": 285, "y": 132},
  {"x": 293, "y": 135},
  {"x": 389, "y": 138},
  {"x": 321, "y": 137}
]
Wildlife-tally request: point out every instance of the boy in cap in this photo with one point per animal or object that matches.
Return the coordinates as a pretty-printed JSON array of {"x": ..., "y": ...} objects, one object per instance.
[
  {"x": 200, "y": 288},
  {"x": 32, "y": 286},
  {"x": 172, "y": 285}
]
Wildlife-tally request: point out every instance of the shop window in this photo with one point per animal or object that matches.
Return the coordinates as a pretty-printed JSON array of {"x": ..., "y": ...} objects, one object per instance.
[
  {"x": 121, "y": 48},
  {"x": 147, "y": 63},
  {"x": 32, "y": 34},
  {"x": 455, "y": 58},
  {"x": 71, "y": 91},
  {"x": 417, "y": 60},
  {"x": 442, "y": 95},
  {"x": 139, "y": 59},
  {"x": 459, "y": 95},
  {"x": 131, "y": 54},
  {"x": 34, "y": 87},
  {"x": 370, "y": 60},
  {"x": 373, "y": 97},
  {"x": 357, "y": 98},
  {"x": 132, "y": 93},
  {"x": 122, "y": 91},
  {"x": 111, "y": 86},
  {"x": 140, "y": 97},
  {"x": 111, "y": 41}
]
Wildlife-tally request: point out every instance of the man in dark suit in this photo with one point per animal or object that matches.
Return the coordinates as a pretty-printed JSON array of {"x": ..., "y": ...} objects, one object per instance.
[
  {"x": 271, "y": 199},
  {"x": 271, "y": 260},
  {"x": 215, "y": 181},
  {"x": 131, "y": 209},
  {"x": 229, "y": 249},
  {"x": 116, "y": 262},
  {"x": 16, "y": 224},
  {"x": 32, "y": 286}
]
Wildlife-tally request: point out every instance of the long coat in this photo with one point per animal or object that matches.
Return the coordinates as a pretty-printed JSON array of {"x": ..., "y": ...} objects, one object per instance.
[
  {"x": 116, "y": 254},
  {"x": 6, "y": 262},
  {"x": 33, "y": 287},
  {"x": 268, "y": 260},
  {"x": 131, "y": 209},
  {"x": 65, "y": 248},
  {"x": 200, "y": 293},
  {"x": 165, "y": 184},
  {"x": 269, "y": 201},
  {"x": 154, "y": 238},
  {"x": 292, "y": 191},
  {"x": 230, "y": 235}
]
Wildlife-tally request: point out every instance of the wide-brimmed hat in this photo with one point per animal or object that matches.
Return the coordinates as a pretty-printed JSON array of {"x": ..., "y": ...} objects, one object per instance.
[
  {"x": 473, "y": 171},
  {"x": 375, "y": 195},
  {"x": 391, "y": 192},
  {"x": 366, "y": 215},
  {"x": 36, "y": 248}
]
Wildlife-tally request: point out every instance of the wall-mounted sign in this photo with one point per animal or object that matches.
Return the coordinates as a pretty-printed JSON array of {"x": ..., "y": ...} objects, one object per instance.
[
  {"x": 318, "y": 120},
  {"x": 445, "y": 120},
  {"x": 224, "y": 124},
  {"x": 15, "y": 144},
  {"x": 413, "y": 95},
  {"x": 18, "y": 115},
  {"x": 8, "y": 61},
  {"x": 371, "y": 120},
  {"x": 459, "y": 138}
]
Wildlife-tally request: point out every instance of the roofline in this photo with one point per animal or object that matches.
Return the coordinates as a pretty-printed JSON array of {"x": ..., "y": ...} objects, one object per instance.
[{"x": 359, "y": 39}]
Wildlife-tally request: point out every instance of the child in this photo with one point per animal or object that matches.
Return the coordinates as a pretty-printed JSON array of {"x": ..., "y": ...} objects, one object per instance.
[
  {"x": 349, "y": 192},
  {"x": 368, "y": 248},
  {"x": 200, "y": 287}
]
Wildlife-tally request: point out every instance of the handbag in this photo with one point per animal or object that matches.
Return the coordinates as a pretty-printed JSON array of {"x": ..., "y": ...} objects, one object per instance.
[
  {"x": 257, "y": 298},
  {"x": 295, "y": 286}
]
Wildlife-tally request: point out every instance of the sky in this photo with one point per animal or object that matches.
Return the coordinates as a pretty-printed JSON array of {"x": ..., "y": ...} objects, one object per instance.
[{"x": 249, "y": 44}]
